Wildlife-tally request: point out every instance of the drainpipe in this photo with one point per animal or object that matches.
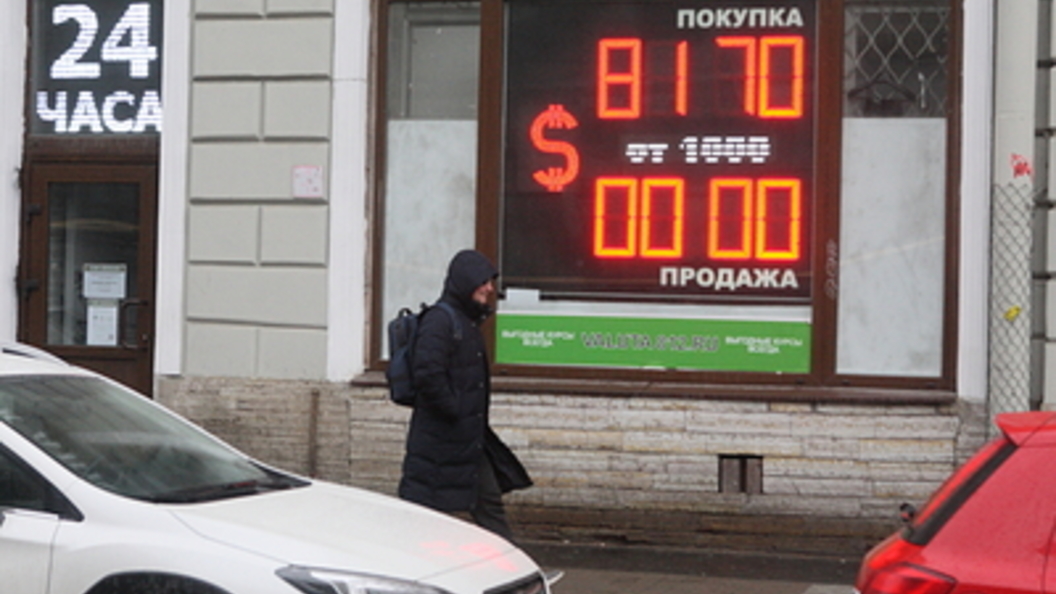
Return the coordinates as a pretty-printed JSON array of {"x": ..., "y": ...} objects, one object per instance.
[{"x": 1043, "y": 204}]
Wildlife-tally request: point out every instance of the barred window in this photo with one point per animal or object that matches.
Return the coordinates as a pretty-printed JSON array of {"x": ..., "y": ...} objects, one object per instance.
[{"x": 895, "y": 58}]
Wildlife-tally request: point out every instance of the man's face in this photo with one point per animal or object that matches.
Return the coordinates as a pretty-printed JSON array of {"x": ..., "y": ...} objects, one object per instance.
[{"x": 484, "y": 292}]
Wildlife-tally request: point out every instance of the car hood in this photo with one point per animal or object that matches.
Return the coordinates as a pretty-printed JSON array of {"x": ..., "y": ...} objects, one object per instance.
[{"x": 344, "y": 528}]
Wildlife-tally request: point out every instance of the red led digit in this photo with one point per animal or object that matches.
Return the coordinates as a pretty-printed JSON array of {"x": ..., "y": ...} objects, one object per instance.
[
  {"x": 749, "y": 45},
  {"x": 625, "y": 83},
  {"x": 615, "y": 217},
  {"x": 730, "y": 219},
  {"x": 761, "y": 74},
  {"x": 778, "y": 225},
  {"x": 662, "y": 227},
  {"x": 793, "y": 106},
  {"x": 682, "y": 78}
]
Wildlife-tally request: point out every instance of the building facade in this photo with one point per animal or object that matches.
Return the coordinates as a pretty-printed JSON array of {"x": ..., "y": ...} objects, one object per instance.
[{"x": 769, "y": 266}]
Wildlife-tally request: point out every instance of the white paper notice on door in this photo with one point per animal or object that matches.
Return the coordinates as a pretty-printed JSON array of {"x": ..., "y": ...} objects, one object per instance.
[
  {"x": 105, "y": 281},
  {"x": 102, "y": 323}
]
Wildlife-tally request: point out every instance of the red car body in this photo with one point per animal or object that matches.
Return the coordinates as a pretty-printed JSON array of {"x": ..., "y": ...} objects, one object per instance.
[{"x": 989, "y": 529}]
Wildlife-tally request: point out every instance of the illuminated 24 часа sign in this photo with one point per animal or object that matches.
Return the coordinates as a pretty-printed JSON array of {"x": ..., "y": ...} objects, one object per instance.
[{"x": 96, "y": 67}]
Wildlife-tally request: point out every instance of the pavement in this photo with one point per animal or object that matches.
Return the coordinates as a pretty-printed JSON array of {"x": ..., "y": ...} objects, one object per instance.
[
  {"x": 591, "y": 569},
  {"x": 610, "y": 581}
]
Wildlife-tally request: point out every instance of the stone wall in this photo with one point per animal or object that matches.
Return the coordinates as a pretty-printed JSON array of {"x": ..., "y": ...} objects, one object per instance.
[
  {"x": 258, "y": 205},
  {"x": 628, "y": 470}
]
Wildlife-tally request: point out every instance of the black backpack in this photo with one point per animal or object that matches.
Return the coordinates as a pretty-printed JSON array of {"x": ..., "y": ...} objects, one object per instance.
[{"x": 403, "y": 335}]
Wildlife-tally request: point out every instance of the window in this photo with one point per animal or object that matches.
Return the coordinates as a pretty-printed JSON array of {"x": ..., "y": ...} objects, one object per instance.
[
  {"x": 19, "y": 488},
  {"x": 430, "y": 139},
  {"x": 893, "y": 244},
  {"x": 697, "y": 194},
  {"x": 22, "y": 488}
]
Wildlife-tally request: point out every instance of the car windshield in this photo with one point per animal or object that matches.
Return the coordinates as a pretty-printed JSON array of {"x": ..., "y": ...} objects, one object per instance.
[{"x": 121, "y": 442}]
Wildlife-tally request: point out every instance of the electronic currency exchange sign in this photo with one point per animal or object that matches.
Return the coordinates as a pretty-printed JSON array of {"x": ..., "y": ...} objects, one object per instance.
[
  {"x": 660, "y": 148},
  {"x": 96, "y": 67}
]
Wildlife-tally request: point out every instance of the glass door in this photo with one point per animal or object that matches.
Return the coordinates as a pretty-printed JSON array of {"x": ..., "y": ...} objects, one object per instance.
[{"x": 87, "y": 278}]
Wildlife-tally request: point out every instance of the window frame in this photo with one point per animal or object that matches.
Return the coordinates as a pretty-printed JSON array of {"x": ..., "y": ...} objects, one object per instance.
[{"x": 822, "y": 382}]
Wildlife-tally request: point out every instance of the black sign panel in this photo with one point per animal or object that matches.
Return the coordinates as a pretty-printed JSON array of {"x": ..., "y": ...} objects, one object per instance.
[
  {"x": 96, "y": 67},
  {"x": 660, "y": 148}
]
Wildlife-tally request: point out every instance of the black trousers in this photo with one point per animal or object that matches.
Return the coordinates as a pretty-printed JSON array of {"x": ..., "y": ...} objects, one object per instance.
[{"x": 488, "y": 512}]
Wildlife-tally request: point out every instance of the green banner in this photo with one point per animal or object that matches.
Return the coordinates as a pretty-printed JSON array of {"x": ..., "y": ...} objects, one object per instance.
[{"x": 657, "y": 343}]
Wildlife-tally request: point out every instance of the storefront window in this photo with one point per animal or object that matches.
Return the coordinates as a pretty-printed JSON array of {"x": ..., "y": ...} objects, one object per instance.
[
  {"x": 697, "y": 192},
  {"x": 893, "y": 195},
  {"x": 430, "y": 146}
]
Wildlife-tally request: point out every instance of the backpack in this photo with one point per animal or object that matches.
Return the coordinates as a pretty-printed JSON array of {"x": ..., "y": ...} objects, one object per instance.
[{"x": 403, "y": 335}]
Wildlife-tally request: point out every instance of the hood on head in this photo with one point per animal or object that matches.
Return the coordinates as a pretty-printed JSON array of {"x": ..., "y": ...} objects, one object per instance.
[{"x": 468, "y": 270}]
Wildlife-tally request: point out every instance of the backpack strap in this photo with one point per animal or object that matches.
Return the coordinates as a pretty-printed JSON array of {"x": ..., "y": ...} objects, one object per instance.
[{"x": 455, "y": 323}]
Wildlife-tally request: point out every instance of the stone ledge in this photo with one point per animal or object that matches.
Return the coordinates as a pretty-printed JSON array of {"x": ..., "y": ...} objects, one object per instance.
[
  {"x": 733, "y": 392},
  {"x": 828, "y": 537},
  {"x": 688, "y": 561}
]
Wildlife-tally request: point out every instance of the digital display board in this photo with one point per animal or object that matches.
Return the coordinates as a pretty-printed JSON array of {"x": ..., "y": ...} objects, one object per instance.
[
  {"x": 659, "y": 150},
  {"x": 96, "y": 67}
]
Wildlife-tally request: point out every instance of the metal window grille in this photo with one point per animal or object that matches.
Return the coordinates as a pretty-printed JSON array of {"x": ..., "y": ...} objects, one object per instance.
[{"x": 895, "y": 58}]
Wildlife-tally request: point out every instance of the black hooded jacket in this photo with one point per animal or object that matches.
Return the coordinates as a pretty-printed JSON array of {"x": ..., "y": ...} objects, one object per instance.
[{"x": 449, "y": 430}]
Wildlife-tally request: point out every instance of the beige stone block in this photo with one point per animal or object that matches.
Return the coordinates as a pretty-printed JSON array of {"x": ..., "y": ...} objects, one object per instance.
[
  {"x": 287, "y": 296},
  {"x": 833, "y": 487},
  {"x": 573, "y": 440},
  {"x": 229, "y": 7},
  {"x": 300, "y": 6},
  {"x": 791, "y": 407},
  {"x": 671, "y": 420},
  {"x": 250, "y": 171},
  {"x": 289, "y": 353},
  {"x": 907, "y": 450},
  {"x": 220, "y": 349},
  {"x": 223, "y": 233},
  {"x": 297, "y": 109},
  {"x": 823, "y": 468},
  {"x": 831, "y": 447},
  {"x": 931, "y": 427},
  {"x": 263, "y": 48},
  {"x": 226, "y": 110},
  {"x": 294, "y": 234},
  {"x": 753, "y": 424},
  {"x": 845, "y": 426},
  {"x": 905, "y": 490}
]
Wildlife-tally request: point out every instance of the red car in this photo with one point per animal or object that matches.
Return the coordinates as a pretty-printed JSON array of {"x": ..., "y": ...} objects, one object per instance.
[{"x": 990, "y": 528}]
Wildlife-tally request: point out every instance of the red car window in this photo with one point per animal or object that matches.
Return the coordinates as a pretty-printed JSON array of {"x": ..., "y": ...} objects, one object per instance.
[{"x": 957, "y": 488}]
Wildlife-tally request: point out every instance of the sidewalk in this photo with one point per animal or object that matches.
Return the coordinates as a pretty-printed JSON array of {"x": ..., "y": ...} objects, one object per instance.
[
  {"x": 597, "y": 569},
  {"x": 597, "y": 581}
]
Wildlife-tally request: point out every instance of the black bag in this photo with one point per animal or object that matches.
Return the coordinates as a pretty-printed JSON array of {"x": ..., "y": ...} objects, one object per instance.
[{"x": 403, "y": 334}]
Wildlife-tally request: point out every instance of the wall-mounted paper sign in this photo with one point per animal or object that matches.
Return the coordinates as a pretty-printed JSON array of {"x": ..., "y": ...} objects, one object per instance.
[
  {"x": 308, "y": 181},
  {"x": 102, "y": 323},
  {"x": 105, "y": 281}
]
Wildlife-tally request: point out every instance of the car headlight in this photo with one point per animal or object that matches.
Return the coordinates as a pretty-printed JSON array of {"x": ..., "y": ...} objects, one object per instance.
[{"x": 327, "y": 581}]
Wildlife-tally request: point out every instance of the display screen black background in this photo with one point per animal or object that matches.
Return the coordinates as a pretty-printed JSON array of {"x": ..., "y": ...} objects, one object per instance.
[
  {"x": 551, "y": 58},
  {"x": 50, "y": 41}
]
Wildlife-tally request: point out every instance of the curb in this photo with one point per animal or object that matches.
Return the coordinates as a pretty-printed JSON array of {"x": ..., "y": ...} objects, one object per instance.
[{"x": 701, "y": 562}]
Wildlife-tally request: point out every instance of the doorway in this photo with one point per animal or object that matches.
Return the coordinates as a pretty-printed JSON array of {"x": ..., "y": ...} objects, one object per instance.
[{"x": 86, "y": 277}]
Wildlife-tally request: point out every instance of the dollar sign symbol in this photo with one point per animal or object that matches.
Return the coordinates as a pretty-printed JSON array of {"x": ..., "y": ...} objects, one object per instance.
[{"x": 554, "y": 179}]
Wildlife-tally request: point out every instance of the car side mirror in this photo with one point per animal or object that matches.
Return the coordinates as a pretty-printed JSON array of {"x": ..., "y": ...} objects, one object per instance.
[{"x": 907, "y": 512}]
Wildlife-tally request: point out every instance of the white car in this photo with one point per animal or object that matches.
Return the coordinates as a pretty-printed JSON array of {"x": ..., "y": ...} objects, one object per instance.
[{"x": 103, "y": 491}]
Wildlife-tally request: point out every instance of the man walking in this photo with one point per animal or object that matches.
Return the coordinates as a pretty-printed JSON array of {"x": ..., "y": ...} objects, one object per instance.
[{"x": 454, "y": 461}]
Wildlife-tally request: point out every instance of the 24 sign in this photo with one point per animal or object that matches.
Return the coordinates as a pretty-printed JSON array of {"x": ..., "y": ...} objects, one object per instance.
[{"x": 97, "y": 68}]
